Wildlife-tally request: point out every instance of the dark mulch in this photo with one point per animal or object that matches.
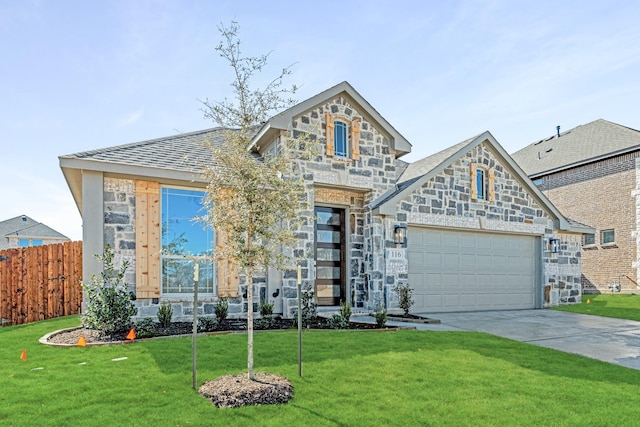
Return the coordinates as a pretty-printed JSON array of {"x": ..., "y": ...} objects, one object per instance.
[{"x": 185, "y": 328}]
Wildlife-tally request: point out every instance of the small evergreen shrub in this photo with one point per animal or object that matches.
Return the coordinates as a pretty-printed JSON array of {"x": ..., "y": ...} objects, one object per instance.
[
  {"x": 309, "y": 308},
  {"x": 207, "y": 324},
  {"x": 266, "y": 312},
  {"x": 337, "y": 321},
  {"x": 165, "y": 313},
  {"x": 145, "y": 328},
  {"x": 345, "y": 310},
  {"x": 381, "y": 317},
  {"x": 404, "y": 297},
  {"x": 221, "y": 309},
  {"x": 109, "y": 307}
]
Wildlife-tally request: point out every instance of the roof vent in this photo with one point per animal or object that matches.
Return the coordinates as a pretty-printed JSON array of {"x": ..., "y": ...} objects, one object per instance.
[
  {"x": 548, "y": 150},
  {"x": 24, "y": 217},
  {"x": 558, "y": 131}
]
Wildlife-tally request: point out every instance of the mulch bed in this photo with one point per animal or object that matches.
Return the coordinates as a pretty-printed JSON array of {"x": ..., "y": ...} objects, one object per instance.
[{"x": 70, "y": 337}]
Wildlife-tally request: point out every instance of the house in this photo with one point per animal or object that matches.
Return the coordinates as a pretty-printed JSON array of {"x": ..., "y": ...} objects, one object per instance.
[
  {"x": 23, "y": 232},
  {"x": 465, "y": 227},
  {"x": 592, "y": 174}
]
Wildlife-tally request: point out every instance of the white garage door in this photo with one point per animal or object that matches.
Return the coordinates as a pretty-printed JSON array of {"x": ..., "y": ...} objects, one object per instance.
[{"x": 470, "y": 271}]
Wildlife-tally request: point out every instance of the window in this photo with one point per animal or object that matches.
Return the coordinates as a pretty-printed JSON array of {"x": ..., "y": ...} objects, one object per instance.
[
  {"x": 340, "y": 138},
  {"x": 343, "y": 137},
  {"x": 607, "y": 236},
  {"x": 185, "y": 241},
  {"x": 588, "y": 239},
  {"x": 23, "y": 243},
  {"x": 36, "y": 242},
  {"x": 481, "y": 184}
]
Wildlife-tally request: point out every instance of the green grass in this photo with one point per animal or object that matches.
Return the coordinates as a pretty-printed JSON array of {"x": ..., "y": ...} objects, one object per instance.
[
  {"x": 351, "y": 378},
  {"x": 621, "y": 306}
]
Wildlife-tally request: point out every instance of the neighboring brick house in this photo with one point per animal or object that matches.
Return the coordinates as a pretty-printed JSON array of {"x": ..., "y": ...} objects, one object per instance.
[
  {"x": 22, "y": 232},
  {"x": 592, "y": 174},
  {"x": 465, "y": 227}
]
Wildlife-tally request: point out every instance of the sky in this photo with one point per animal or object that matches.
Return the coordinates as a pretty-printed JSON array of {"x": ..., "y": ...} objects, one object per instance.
[{"x": 77, "y": 75}]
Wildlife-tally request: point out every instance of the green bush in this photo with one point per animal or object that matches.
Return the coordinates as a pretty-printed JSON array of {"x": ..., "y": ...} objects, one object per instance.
[
  {"x": 221, "y": 309},
  {"x": 266, "y": 312},
  {"x": 207, "y": 324},
  {"x": 345, "y": 310},
  {"x": 337, "y": 321},
  {"x": 145, "y": 328},
  {"x": 109, "y": 307},
  {"x": 404, "y": 297},
  {"x": 381, "y": 317},
  {"x": 309, "y": 308},
  {"x": 165, "y": 313}
]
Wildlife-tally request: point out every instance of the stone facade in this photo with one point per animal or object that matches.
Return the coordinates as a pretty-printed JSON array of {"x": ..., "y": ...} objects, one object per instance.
[
  {"x": 445, "y": 201},
  {"x": 374, "y": 264},
  {"x": 349, "y": 184},
  {"x": 606, "y": 196}
]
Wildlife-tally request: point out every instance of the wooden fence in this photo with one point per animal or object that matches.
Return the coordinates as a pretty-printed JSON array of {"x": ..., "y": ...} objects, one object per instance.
[{"x": 40, "y": 282}]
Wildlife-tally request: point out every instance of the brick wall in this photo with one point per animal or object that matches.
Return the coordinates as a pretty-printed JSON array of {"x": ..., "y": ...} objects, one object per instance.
[{"x": 600, "y": 195}]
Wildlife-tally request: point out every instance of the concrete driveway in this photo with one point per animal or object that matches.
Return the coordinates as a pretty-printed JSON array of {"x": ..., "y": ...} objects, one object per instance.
[{"x": 611, "y": 340}]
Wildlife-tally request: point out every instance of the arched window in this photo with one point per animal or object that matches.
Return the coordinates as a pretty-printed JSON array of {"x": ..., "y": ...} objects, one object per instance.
[
  {"x": 340, "y": 138},
  {"x": 481, "y": 184},
  {"x": 343, "y": 137}
]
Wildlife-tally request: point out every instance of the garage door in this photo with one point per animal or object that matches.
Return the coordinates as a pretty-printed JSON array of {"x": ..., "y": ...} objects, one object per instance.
[{"x": 471, "y": 271}]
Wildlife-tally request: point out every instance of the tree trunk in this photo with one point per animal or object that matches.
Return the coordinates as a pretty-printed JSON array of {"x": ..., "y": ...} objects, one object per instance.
[
  {"x": 250, "y": 323},
  {"x": 250, "y": 303}
]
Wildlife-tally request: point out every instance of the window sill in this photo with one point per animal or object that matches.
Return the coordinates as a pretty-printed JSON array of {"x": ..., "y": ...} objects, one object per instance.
[{"x": 609, "y": 246}]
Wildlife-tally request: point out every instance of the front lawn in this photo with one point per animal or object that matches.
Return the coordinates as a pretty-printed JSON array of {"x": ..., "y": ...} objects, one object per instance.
[
  {"x": 621, "y": 306},
  {"x": 351, "y": 378}
]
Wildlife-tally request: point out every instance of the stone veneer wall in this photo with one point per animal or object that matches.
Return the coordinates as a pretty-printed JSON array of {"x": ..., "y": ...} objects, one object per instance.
[
  {"x": 332, "y": 181},
  {"x": 119, "y": 233},
  {"x": 604, "y": 195},
  {"x": 445, "y": 201}
]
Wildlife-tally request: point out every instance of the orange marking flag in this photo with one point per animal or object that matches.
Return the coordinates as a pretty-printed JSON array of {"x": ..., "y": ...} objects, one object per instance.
[
  {"x": 131, "y": 335},
  {"x": 81, "y": 342},
  {"x": 23, "y": 356}
]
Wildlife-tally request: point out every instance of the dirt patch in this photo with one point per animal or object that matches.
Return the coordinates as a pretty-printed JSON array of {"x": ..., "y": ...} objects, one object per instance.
[{"x": 233, "y": 391}]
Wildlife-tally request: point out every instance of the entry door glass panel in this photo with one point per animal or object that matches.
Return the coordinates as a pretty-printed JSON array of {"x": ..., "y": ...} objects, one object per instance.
[{"x": 329, "y": 256}]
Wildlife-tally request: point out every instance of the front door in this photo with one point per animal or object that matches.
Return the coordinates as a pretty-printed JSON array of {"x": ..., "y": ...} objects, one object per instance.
[{"x": 330, "y": 256}]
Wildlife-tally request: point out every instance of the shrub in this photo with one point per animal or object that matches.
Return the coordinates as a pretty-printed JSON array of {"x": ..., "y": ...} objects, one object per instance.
[
  {"x": 221, "y": 309},
  {"x": 309, "y": 308},
  {"x": 165, "y": 312},
  {"x": 404, "y": 297},
  {"x": 266, "y": 313},
  {"x": 145, "y": 328},
  {"x": 207, "y": 324},
  {"x": 337, "y": 321},
  {"x": 266, "y": 308},
  {"x": 381, "y": 317},
  {"x": 345, "y": 310},
  {"x": 109, "y": 307}
]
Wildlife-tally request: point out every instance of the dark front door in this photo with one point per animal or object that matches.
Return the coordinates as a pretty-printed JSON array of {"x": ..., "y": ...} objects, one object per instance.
[{"x": 330, "y": 256}]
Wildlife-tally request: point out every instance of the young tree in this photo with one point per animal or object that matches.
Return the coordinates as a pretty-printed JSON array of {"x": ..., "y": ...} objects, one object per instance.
[{"x": 254, "y": 203}]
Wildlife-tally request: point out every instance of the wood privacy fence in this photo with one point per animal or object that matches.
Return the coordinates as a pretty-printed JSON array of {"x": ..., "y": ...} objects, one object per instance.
[{"x": 40, "y": 282}]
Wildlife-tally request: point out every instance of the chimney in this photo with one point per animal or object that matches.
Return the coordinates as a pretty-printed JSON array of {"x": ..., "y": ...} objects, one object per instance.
[{"x": 558, "y": 131}]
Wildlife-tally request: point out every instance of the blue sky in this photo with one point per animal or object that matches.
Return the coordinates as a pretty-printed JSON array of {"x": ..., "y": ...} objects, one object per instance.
[{"x": 79, "y": 75}]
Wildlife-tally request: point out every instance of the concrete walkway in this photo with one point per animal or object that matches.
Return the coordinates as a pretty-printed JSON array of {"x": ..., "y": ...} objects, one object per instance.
[{"x": 611, "y": 340}]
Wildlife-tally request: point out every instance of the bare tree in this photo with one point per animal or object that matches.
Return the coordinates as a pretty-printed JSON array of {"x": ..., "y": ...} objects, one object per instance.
[{"x": 253, "y": 202}]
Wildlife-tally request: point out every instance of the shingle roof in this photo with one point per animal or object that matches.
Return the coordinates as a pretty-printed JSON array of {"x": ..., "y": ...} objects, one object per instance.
[
  {"x": 182, "y": 152},
  {"x": 24, "y": 226},
  {"x": 427, "y": 164},
  {"x": 582, "y": 144}
]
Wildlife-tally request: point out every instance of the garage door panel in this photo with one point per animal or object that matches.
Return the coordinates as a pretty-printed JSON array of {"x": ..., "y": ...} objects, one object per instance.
[{"x": 458, "y": 271}]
